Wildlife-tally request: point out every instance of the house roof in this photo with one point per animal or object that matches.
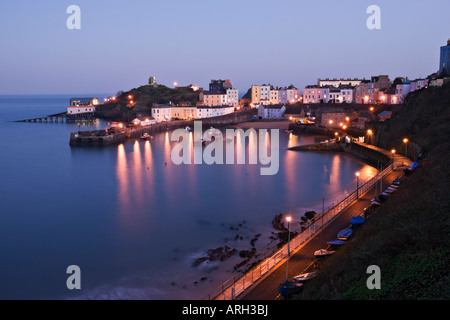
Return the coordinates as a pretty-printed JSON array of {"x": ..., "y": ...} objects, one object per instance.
[{"x": 384, "y": 113}]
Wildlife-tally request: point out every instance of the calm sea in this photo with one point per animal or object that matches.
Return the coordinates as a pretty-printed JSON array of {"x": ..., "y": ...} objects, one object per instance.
[{"x": 132, "y": 220}]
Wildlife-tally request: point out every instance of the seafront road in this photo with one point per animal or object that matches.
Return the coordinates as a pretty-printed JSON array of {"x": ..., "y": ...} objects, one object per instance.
[{"x": 267, "y": 287}]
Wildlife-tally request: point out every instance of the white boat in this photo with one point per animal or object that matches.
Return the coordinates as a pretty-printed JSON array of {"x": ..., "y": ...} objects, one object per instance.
[
  {"x": 146, "y": 136},
  {"x": 288, "y": 131},
  {"x": 304, "y": 276},
  {"x": 213, "y": 132},
  {"x": 188, "y": 129},
  {"x": 323, "y": 253}
]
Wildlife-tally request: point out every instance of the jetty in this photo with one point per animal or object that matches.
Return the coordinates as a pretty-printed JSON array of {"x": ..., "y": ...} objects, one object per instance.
[{"x": 62, "y": 117}]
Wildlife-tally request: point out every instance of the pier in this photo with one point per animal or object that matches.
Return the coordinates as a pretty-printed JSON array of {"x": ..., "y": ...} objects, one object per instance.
[{"x": 62, "y": 117}]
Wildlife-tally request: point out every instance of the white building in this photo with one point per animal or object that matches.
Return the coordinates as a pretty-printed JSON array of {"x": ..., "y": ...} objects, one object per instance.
[
  {"x": 213, "y": 111},
  {"x": 80, "y": 109},
  {"x": 162, "y": 113},
  {"x": 338, "y": 82},
  {"x": 271, "y": 111},
  {"x": 144, "y": 122},
  {"x": 348, "y": 94},
  {"x": 402, "y": 90},
  {"x": 232, "y": 97}
]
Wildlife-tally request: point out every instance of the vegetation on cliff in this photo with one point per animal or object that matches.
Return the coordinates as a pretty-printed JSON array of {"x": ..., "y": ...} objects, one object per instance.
[
  {"x": 408, "y": 237},
  {"x": 144, "y": 98}
]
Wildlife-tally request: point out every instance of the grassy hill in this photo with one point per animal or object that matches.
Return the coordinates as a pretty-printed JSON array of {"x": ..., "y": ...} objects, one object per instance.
[
  {"x": 144, "y": 97},
  {"x": 408, "y": 237}
]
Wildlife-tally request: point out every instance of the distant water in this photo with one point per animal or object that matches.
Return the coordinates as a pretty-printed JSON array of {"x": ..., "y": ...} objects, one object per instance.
[{"x": 133, "y": 224}]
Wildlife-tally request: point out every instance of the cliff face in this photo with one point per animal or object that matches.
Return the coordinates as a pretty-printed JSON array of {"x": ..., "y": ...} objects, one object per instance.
[
  {"x": 408, "y": 235},
  {"x": 143, "y": 98}
]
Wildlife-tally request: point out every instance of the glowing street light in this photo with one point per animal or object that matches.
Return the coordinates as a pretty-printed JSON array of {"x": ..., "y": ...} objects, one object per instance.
[{"x": 347, "y": 119}]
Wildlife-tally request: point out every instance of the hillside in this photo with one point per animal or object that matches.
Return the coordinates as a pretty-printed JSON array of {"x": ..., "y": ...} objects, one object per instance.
[
  {"x": 143, "y": 98},
  {"x": 408, "y": 237}
]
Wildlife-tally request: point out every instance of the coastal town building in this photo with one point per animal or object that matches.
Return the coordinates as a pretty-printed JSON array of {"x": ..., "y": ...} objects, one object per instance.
[
  {"x": 338, "y": 82},
  {"x": 331, "y": 117},
  {"x": 273, "y": 111},
  {"x": 213, "y": 111},
  {"x": 315, "y": 94},
  {"x": 183, "y": 112},
  {"x": 402, "y": 90},
  {"x": 375, "y": 87},
  {"x": 162, "y": 113},
  {"x": 143, "y": 122},
  {"x": 362, "y": 92},
  {"x": 72, "y": 110},
  {"x": 384, "y": 115},
  {"x": 220, "y": 85},
  {"x": 232, "y": 97},
  {"x": 444, "y": 60},
  {"x": 82, "y": 105},
  {"x": 210, "y": 98},
  {"x": 260, "y": 94}
]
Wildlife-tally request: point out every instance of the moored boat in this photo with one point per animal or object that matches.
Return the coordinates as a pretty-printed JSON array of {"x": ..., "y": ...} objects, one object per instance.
[
  {"x": 146, "y": 136},
  {"x": 336, "y": 243},
  {"x": 304, "y": 276},
  {"x": 344, "y": 234},
  {"x": 322, "y": 253},
  {"x": 357, "y": 220},
  {"x": 289, "y": 287}
]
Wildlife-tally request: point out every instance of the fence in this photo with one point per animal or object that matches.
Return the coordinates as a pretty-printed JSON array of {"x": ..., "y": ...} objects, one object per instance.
[{"x": 231, "y": 288}]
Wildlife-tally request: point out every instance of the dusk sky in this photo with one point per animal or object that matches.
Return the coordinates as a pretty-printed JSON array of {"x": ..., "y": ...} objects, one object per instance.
[{"x": 122, "y": 43}]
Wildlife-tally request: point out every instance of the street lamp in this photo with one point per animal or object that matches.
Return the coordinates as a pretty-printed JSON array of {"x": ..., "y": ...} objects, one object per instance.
[
  {"x": 369, "y": 134},
  {"x": 393, "y": 160},
  {"x": 288, "y": 219},
  {"x": 405, "y": 141},
  {"x": 357, "y": 184}
]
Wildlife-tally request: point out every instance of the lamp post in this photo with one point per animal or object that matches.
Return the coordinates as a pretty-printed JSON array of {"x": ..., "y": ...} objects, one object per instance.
[
  {"x": 357, "y": 184},
  {"x": 405, "y": 141},
  {"x": 288, "y": 219},
  {"x": 369, "y": 134},
  {"x": 393, "y": 159}
]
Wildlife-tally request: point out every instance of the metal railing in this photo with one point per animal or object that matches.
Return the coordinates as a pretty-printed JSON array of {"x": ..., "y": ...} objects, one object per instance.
[{"x": 231, "y": 288}]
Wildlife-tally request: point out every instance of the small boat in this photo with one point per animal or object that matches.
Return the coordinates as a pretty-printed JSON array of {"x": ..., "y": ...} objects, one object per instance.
[
  {"x": 375, "y": 201},
  {"x": 289, "y": 287},
  {"x": 304, "y": 276},
  {"x": 393, "y": 186},
  {"x": 397, "y": 181},
  {"x": 357, "y": 220},
  {"x": 344, "y": 234},
  {"x": 188, "y": 129},
  {"x": 288, "y": 131},
  {"x": 146, "y": 136},
  {"x": 336, "y": 243},
  {"x": 322, "y": 253}
]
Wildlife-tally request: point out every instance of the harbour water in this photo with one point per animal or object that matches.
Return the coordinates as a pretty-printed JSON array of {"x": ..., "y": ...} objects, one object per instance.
[{"x": 133, "y": 221}]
